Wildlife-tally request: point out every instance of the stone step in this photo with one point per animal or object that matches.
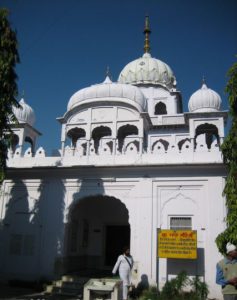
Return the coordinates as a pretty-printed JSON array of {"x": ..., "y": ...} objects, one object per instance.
[
  {"x": 49, "y": 289},
  {"x": 70, "y": 278},
  {"x": 73, "y": 285},
  {"x": 67, "y": 291},
  {"x": 68, "y": 286}
]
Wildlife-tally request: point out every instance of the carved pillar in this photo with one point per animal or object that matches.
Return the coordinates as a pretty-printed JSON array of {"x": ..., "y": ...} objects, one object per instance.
[
  {"x": 87, "y": 148},
  {"x": 63, "y": 148},
  {"x": 140, "y": 146},
  {"x": 114, "y": 147}
]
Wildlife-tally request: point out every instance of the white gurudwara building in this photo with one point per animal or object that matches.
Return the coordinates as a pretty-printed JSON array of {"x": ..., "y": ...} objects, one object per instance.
[{"x": 131, "y": 163}]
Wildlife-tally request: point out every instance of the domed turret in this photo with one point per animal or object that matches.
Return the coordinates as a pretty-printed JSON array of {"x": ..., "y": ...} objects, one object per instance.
[
  {"x": 204, "y": 100},
  {"x": 111, "y": 92},
  {"x": 146, "y": 69},
  {"x": 24, "y": 114}
]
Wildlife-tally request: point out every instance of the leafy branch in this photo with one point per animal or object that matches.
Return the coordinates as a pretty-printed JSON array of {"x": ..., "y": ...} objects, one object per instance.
[
  {"x": 229, "y": 150},
  {"x": 9, "y": 57}
]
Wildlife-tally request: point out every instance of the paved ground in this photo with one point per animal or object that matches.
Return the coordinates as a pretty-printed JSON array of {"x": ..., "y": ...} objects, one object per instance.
[
  {"x": 14, "y": 292},
  {"x": 8, "y": 292},
  {"x": 19, "y": 292}
]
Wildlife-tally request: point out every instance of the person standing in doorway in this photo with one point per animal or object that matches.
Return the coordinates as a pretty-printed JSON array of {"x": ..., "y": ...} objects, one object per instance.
[
  {"x": 226, "y": 273},
  {"x": 124, "y": 264}
]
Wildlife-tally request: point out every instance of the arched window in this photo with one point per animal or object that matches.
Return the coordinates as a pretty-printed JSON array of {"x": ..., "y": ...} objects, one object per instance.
[
  {"x": 124, "y": 131},
  {"x": 160, "y": 109},
  {"x": 98, "y": 133},
  {"x": 14, "y": 142},
  {"x": 75, "y": 134},
  {"x": 210, "y": 132}
]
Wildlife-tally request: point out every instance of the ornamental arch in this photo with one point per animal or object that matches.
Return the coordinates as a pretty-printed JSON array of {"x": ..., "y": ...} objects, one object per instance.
[
  {"x": 160, "y": 109},
  {"x": 207, "y": 133},
  {"x": 97, "y": 229}
]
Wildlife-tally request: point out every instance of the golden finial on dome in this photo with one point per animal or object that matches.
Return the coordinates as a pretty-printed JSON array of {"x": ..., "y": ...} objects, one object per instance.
[{"x": 147, "y": 32}]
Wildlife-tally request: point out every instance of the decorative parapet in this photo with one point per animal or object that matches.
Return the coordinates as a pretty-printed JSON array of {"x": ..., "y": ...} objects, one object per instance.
[
  {"x": 170, "y": 156},
  {"x": 165, "y": 120}
]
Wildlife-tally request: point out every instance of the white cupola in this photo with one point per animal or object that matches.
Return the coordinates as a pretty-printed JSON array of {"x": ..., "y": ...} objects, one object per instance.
[
  {"x": 110, "y": 92},
  {"x": 148, "y": 70},
  {"x": 204, "y": 100},
  {"x": 24, "y": 114},
  {"x": 25, "y": 135}
]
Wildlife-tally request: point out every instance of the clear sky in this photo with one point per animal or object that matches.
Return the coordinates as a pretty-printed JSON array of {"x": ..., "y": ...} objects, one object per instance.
[{"x": 66, "y": 45}]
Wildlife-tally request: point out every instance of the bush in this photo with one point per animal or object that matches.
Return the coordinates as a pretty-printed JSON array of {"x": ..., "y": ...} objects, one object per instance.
[
  {"x": 151, "y": 293},
  {"x": 174, "y": 289},
  {"x": 200, "y": 288}
]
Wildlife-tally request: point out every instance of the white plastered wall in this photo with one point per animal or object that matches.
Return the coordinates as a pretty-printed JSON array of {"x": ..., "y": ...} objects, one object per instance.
[{"x": 201, "y": 199}]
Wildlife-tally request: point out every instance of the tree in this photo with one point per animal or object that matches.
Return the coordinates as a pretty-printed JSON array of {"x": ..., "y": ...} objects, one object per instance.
[
  {"x": 8, "y": 87},
  {"x": 229, "y": 150}
]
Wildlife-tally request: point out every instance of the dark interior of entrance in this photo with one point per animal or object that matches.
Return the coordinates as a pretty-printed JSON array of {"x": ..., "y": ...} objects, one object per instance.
[
  {"x": 116, "y": 238},
  {"x": 96, "y": 233}
]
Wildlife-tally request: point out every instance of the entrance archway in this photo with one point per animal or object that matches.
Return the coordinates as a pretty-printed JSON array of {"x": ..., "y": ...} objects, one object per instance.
[{"x": 96, "y": 232}]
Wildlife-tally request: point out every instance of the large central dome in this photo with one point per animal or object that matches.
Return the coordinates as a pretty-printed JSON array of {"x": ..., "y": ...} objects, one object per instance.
[{"x": 148, "y": 70}]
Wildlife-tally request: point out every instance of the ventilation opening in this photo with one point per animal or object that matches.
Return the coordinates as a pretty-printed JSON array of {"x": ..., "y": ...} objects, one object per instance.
[
  {"x": 160, "y": 109},
  {"x": 180, "y": 223}
]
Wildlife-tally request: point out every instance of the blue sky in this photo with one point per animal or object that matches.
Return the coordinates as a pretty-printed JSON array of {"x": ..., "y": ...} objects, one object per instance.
[{"x": 66, "y": 45}]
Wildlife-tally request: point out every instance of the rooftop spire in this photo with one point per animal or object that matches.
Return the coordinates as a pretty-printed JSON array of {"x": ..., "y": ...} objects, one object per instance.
[
  {"x": 203, "y": 79},
  {"x": 204, "y": 85},
  {"x": 23, "y": 94},
  {"x": 108, "y": 76},
  {"x": 108, "y": 73},
  {"x": 147, "y": 32}
]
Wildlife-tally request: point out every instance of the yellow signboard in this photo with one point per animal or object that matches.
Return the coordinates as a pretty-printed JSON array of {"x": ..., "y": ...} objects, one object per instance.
[{"x": 177, "y": 244}]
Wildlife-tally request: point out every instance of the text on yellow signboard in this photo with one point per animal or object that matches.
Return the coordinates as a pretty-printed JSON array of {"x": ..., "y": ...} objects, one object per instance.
[{"x": 177, "y": 244}]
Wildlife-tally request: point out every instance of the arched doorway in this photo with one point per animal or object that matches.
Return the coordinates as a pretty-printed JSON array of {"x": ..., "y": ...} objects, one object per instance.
[{"x": 96, "y": 232}]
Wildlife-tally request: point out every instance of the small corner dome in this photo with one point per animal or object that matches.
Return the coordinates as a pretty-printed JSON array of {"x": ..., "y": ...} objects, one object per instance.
[
  {"x": 148, "y": 70},
  {"x": 109, "y": 91},
  {"x": 24, "y": 114},
  {"x": 204, "y": 100}
]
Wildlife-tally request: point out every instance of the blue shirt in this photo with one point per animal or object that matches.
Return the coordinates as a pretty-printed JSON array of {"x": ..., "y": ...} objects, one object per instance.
[{"x": 219, "y": 273}]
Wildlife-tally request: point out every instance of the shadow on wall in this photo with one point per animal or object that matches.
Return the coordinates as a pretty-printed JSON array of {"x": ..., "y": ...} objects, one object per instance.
[
  {"x": 193, "y": 267},
  {"x": 96, "y": 231},
  {"x": 142, "y": 285},
  {"x": 18, "y": 237},
  {"x": 32, "y": 229},
  {"x": 51, "y": 213},
  {"x": 80, "y": 232}
]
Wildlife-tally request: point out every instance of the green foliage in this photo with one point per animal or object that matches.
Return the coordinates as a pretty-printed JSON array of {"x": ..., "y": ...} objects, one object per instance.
[
  {"x": 199, "y": 288},
  {"x": 175, "y": 289},
  {"x": 8, "y": 88},
  {"x": 229, "y": 150},
  {"x": 152, "y": 293},
  {"x": 231, "y": 89}
]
